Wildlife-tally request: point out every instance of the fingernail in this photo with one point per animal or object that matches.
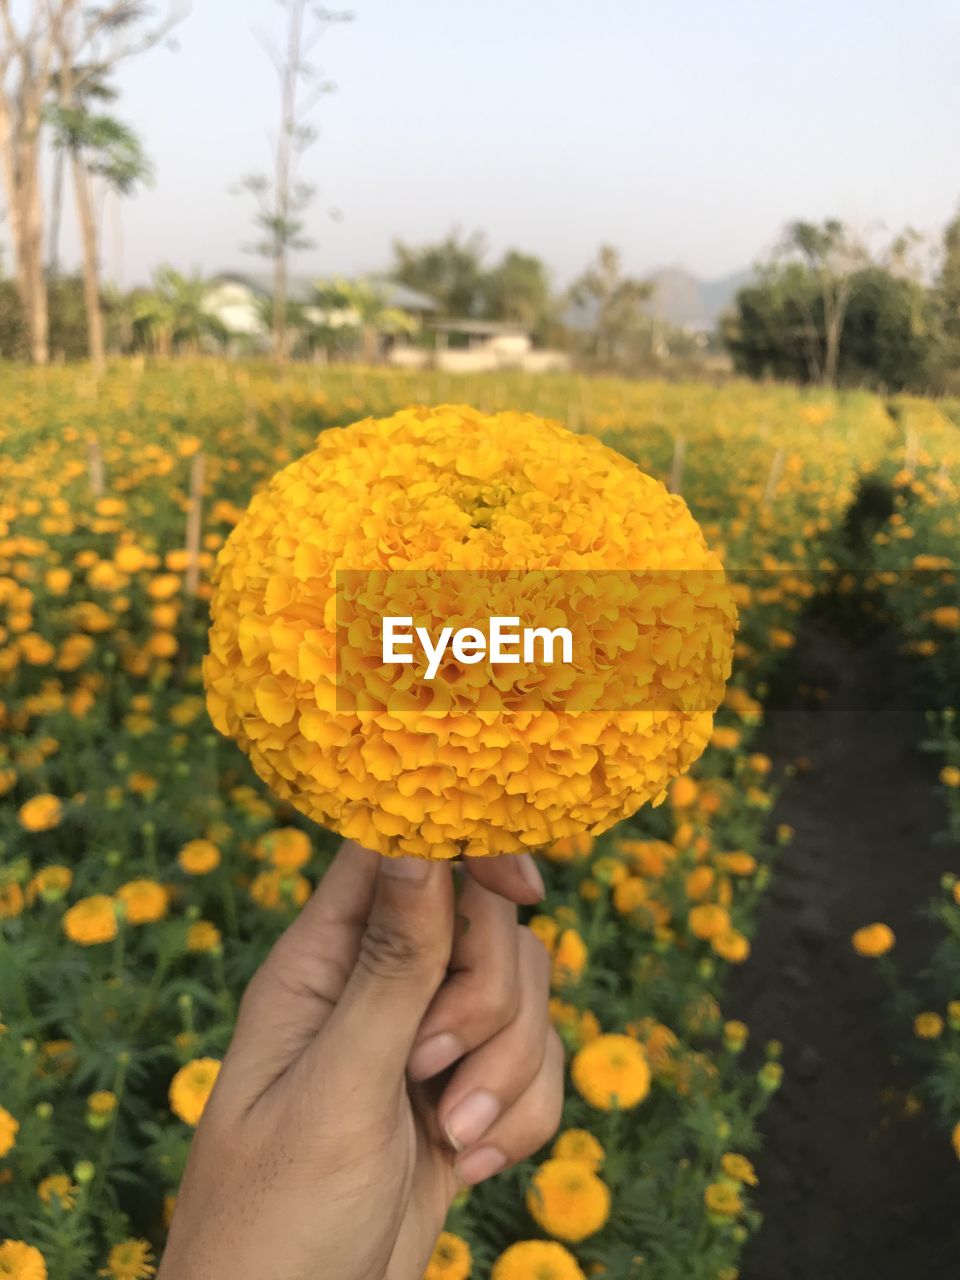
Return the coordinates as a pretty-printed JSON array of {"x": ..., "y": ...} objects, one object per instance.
[
  {"x": 480, "y": 1164},
  {"x": 413, "y": 869},
  {"x": 531, "y": 875},
  {"x": 471, "y": 1118},
  {"x": 434, "y": 1055}
]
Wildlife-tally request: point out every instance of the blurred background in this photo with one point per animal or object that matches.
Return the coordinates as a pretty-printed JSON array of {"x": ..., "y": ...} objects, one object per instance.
[{"x": 689, "y": 190}]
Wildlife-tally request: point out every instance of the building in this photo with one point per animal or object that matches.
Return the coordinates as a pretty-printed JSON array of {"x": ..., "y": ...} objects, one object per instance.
[
  {"x": 241, "y": 302},
  {"x": 476, "y": 346}
]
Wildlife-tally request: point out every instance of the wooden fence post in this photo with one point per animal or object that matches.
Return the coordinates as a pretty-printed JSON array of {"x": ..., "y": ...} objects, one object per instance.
[
  {"x": 773, "y": 478},
  {"x": 676, "y": 469},
  {"x": 95, "y": 467},
  {"x": 194, "y": 525}
]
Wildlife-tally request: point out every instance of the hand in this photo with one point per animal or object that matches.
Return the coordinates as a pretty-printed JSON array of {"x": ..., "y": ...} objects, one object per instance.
[{"x": 394, "y": 1045}]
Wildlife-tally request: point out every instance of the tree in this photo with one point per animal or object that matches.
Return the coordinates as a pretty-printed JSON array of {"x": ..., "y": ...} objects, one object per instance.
[
  {"x": 172, "y": 315},
  {"x": 833, "y": 256},
  {"x": 99, "y": 147},
  {"x": 616, "y": 327},
  {"x": 891, "y": 331},
  {"x": 948, "y": 292},
  {"x": 518, "y": 290},
  {"x": 281, "y": 200},
  {"x": 90, "y": 42},
  {"x": 95, "y": 90},
  {"x": 26, "y": 69},
  {"x": 361, "y": 307},
  {"x": 450, "y": 271}
]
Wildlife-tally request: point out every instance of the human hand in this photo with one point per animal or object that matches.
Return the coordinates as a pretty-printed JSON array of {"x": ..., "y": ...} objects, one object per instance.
[{"x": 386, "y": 1053}]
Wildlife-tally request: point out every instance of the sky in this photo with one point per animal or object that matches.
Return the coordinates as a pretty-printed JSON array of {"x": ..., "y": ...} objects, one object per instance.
[{"x": 685, "y": 133}]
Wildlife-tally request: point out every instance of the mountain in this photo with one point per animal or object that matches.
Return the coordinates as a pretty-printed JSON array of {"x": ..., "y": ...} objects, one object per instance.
[{"x": 683, "y": 300}]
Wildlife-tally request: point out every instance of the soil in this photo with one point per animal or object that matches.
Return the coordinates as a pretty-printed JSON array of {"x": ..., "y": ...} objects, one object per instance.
[{"x": 852, "y": 1186}]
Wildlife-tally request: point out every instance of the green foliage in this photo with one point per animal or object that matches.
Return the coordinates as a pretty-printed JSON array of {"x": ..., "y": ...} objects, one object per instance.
[
  {"x": 616, "y": 332},
  {"x": 450, "y": 271},
  {"x": 172, "y": 315},
  {"x": 891, "y": 335}
]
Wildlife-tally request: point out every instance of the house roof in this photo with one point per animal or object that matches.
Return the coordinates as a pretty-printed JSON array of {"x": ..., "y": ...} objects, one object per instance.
[
  {"x": 301, "y": 288},
  {"x": 481, "y": 327}
]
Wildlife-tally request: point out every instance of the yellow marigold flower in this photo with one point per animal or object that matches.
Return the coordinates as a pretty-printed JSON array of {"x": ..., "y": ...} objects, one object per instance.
[
  {"x": 130, "y": 558},
  {"x": 873, "y": 940},
  {"x": 546, "y": 929},
  {"x": 144, "y": 901},
  {"x": 611, "y": 1072},
  {"x": 735, "y": 1035},
  {"x": 91, "y": 920},
  {"x": 57, "y": 1185},
  {"x": 580, "y": 1145},
  {"x": 570, "y": 848},
  {"x": 288, "y": 848},
  {"x": 683, "y": 792},
  {"x": 722, "y": 1200},
  {"x": 739, "y": 1168},
  {"x": 725, "y": 738},
  {"x": 946, "y": 616},
  {"x": 42, "y": 813},
  {"x": 569, "y": 958},
  {"x": 50, "y": 883},
  {"x": 21, "y": 1261},
  {"x": 928, "y": 1026},
  {"x": 9, "y": 1128},
  {"x": 451, "y": 1259},
  {"x": 732, "y": 946},
  {"x": 198, "y": 857},
  {"x": 568, "y": 1200},
  {"x": 273, "y": 890},
  {"x": 164, "y": 586},
  {"x": 453, "y": 489},
  {"x": 659, "y": 1045},
  {"x": 57, "y": 581},
  {"x": 203, "y": 936},
  {"x": 955, "y": 1139},
  {"x": 950, "y": 775},
  {"x": 11, "y": 900},
  {"x": 543, "y": 1259},
  {"x": 629, "y": 894},
  {"x": 699, "y": 882},
  {"x": 191, "y": 1087},
  {"x": 738, "y": 863},
  {"x": 648, "y": 857},
  {"x": 609, "y": 870},
  {"x": 129, "y": 1260},
  {"x": 575, "y": 1027},
  {"x": 103, "y": 1102},
  {"x": 709, "y": 921}
]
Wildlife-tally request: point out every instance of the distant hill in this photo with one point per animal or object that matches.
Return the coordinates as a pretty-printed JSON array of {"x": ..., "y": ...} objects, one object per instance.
[
  {"x": 679, "y": 299},
  {"x": 683, "y": 300}
]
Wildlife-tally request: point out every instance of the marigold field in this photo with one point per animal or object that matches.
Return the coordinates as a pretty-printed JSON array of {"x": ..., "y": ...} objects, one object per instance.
[{"x": 145, "y": 870}]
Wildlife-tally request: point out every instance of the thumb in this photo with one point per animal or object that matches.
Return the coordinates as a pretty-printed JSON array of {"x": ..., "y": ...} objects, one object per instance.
[{"x": 402, "y": 960}]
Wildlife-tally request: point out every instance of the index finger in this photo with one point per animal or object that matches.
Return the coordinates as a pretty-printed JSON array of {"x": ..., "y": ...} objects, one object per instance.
[{"x": 513, "y": 876}]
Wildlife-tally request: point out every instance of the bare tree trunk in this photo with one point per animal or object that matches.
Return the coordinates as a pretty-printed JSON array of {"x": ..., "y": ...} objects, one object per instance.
[
  {"x": 288, "y": 124},
  {"x": 91, "y": 265},
  {"x": 11, "y": 187},
  {"x": 65, "y": 38},
  {"x": 29, "y": 54},
  {"x": 56, "y": 213}
]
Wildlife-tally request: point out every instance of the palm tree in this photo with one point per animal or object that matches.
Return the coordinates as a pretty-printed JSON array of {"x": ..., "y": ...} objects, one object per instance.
[
  {"x": 99, "y": 147},
  {"x": 365, "y": 309},
  {"x": 173, "y": 314}
]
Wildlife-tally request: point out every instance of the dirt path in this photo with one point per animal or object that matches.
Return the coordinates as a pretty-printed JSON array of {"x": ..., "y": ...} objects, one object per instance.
[{"x": 851, "y": 1188}]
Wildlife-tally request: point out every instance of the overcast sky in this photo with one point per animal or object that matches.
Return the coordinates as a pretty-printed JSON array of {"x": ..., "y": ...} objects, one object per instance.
[{"x": 686, "y": 132}]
